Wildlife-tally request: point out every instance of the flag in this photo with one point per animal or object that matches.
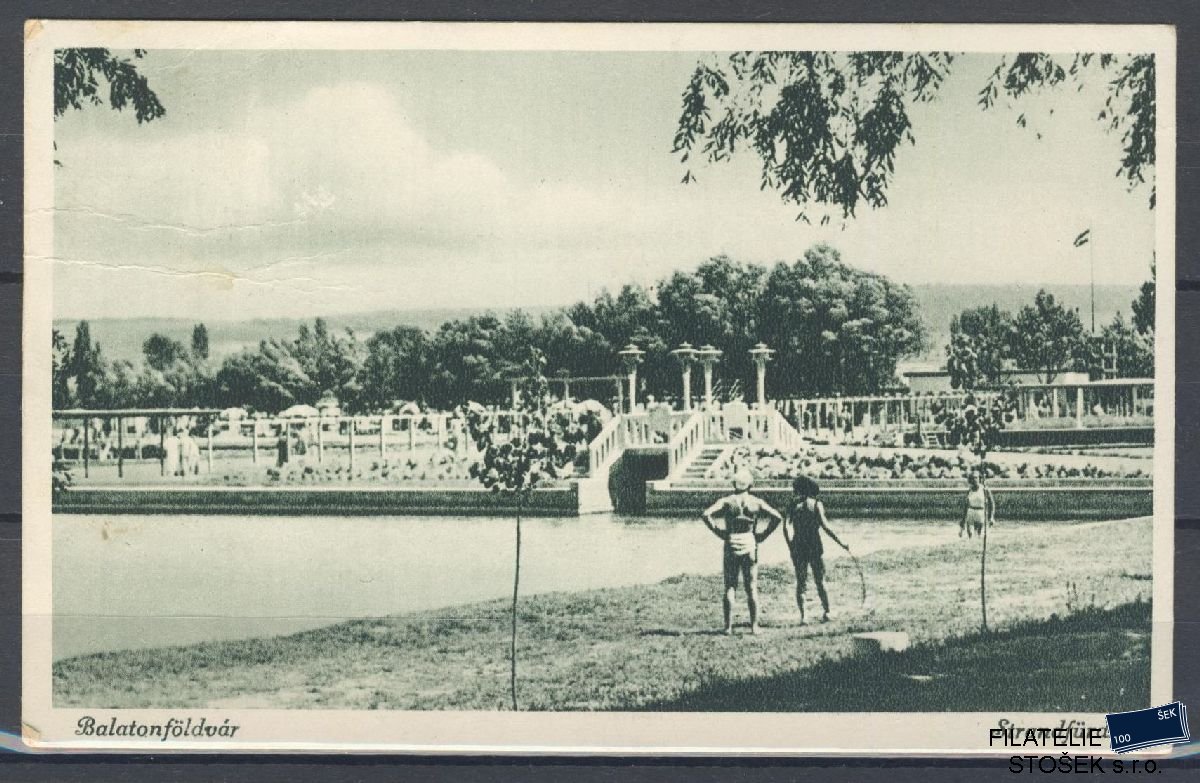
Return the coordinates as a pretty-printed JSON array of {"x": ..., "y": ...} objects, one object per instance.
[{"x": 1083, "y": 238}]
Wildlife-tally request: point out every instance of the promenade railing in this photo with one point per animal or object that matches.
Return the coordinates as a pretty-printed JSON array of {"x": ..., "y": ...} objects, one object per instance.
[
  {"x": 184, "y": 441},
  {"x": 652, "y": 427},
  {"x": 1112, "y": 403},
  {"x": 733, "y": 424}
]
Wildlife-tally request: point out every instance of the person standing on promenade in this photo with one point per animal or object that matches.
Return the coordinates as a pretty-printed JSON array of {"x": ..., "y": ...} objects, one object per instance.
[
  {"x": 740, "y": 513},
  {"x": 802, "y": 529},
  {"x": 191, "y": 451},
  {"x": 185, "y": 451},
  {"x": 170, "y": 446},
  {"x": 283, "y": 448}
]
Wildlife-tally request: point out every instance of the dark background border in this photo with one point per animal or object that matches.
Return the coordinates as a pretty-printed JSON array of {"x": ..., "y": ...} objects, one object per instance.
[{"x": 1184, "y": 14}]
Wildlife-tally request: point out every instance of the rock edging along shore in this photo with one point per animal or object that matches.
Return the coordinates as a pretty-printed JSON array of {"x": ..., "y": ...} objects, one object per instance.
[
  {"x": 299, "y": 501},
  {"x": 1040, "y": 500},
  {"x": 1015, "y": 499}
]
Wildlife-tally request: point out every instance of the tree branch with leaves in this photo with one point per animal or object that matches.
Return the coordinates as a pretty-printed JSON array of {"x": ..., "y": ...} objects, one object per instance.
[
  {"x": 826, "y": 126},
  {"x": 81, "y": 74},
  {"x": 76, "y": 84}
]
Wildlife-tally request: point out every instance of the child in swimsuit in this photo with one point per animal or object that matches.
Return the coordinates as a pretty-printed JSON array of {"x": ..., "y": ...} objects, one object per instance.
[
  {"x": 979, "y": 507},
  {"x": 802, "y": 530},
  {"x": 740, "y": 513}
]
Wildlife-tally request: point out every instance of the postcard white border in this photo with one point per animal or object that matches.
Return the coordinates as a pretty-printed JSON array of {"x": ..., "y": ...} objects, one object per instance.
[{"x": 48, "y": 728}]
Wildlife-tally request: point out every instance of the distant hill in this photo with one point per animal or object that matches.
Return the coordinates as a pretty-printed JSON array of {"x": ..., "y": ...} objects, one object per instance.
[{"x": 121, "y": 338}]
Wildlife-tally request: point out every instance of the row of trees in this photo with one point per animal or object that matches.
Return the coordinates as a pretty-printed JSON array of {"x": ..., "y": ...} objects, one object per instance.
[
  {"x": 1048, "y": 338},
  {"x": 837, "y": 329},
  {"x": 277, "y": 374}
]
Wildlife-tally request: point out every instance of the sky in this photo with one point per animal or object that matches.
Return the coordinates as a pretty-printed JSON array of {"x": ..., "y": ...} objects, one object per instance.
[{"x": 302, "y": 183}]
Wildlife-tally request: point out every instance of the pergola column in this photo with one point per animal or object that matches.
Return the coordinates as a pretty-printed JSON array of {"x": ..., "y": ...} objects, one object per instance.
[
  {"x": 761, "y": 354},
  {"x": 631, "y": 357},
  {"x": 686, "y": 355},
  {"x": 708, "y": 356}
]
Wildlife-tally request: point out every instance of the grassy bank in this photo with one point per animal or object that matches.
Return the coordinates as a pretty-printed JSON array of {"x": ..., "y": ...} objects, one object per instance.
[
  {"x": 1089, "y": 658},
  {"x": 1071, "y": 634}
]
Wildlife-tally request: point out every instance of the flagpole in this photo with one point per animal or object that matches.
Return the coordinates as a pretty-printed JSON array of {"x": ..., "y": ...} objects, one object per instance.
[
  {"x": 1085, "y": 238},
  {"x": 1092, "y": 266}
]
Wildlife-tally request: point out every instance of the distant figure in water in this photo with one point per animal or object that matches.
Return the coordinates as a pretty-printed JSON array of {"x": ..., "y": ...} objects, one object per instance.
[
  {"x": 978, "y": 507},
  {"x": 740, "y": 513},
  {"x": 803, "y": 527}
]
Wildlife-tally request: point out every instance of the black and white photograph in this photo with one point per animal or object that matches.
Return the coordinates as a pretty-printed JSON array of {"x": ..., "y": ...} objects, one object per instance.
[{"x": 561, "y": 387}]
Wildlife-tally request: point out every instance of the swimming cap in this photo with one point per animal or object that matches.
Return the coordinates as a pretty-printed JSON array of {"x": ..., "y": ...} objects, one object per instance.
[{"x": 743, "y": 479}]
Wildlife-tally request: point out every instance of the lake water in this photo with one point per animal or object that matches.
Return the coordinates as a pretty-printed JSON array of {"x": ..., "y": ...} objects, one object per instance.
[{"x": 124, "y": 582}]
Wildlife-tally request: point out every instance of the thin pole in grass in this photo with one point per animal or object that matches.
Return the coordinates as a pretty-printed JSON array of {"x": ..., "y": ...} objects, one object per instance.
[
  {"x": 539, "y": 445},
  {"x": 983, "y": 552},
  {"x": 977, "y": 425},
  {"x": 512, "y": 648}
]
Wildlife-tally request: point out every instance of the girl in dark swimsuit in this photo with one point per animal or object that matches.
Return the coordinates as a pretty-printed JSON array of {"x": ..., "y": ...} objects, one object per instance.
[{"x": 802, "y": 529}]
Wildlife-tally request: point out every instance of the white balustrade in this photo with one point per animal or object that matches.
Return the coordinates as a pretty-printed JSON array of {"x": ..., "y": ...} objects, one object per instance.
[
  {"x": 692, "y": 435},
  {"x": 606, "y": 446}
]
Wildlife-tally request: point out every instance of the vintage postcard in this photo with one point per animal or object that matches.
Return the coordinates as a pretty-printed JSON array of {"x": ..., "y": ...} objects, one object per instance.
[{"x": 549, "y": 388}]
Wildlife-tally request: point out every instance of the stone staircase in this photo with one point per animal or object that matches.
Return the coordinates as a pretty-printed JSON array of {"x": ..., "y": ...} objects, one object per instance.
[
  {"x": 933, "y": 440},
  {"x": 688, "y": 444},
  {"x": 697, "y": 469}
]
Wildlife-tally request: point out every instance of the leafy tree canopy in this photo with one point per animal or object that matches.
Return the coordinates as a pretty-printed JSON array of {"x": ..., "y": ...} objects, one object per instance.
[
  {"x": 981, "y": 345},
  {"x": 60, "y": 369},
  {"x": 1143, "y": 306},
  {"x": 86, "y": 365},
  {"x": 77, "y": 83},
  {"x": 1132, "y": 343},
  {"x": 837, "y": 328},
  {"x": 161, "y": 351},
  {"x": 1050, "y": 338},
  {"x": 1134, "y": 349},
  {"x": 396, "y": 366},
  {"x": 200, "y": 341},
  {"x": 826, "y": 126}
]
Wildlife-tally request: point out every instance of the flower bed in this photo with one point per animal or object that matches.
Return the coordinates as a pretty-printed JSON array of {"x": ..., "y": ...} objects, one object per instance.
[
  {"x": 769, "y": 464},
  {"x": 438, "y": 469}
]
